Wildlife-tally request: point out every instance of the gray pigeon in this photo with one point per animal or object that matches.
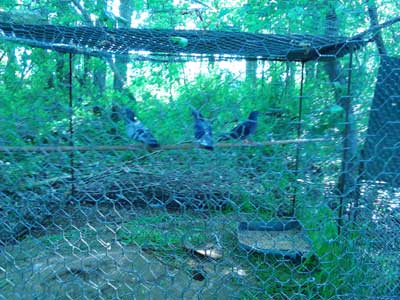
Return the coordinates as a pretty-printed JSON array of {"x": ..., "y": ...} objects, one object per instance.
[
  {"x": 202, "y": 131},
  {"x": 137, "y": 131},
  {"x": 243, "y": 130}
]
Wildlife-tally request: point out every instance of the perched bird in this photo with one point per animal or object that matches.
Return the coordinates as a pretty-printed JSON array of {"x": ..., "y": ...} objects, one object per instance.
[
  {"x": 202, "y": 131},
  {"x": 137, "y": 131},
  {"x": 243, "y": 130}
]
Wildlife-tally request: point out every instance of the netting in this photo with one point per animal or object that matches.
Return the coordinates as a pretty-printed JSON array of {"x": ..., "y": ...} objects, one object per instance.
[
  {"x": 161, "y": 42},
  {"x": 199, "y": 150},
  {"x": 382, "y": 140}
]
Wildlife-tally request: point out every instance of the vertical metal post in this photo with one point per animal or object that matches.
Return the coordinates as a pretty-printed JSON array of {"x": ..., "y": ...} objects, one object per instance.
[
  {"x": 71, "y": 128},
  {"x": 300, "y": 117},
  {"x": 344, "y": 180}
]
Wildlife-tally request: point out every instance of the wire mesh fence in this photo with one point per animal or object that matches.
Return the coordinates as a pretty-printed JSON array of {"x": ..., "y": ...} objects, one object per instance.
[{"x": 142, "y": 160}]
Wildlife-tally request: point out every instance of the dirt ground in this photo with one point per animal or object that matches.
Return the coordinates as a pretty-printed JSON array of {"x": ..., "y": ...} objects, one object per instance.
[{"x": 80, "y": 255}]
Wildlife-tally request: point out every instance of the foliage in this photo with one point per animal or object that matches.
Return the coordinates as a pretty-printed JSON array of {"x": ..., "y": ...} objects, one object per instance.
[
  {"x": 145, "y": 232},
  {"x": 165, "y": 235}
]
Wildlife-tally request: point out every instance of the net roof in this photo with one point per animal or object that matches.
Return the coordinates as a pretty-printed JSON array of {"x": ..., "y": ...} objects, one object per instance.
[{"x": 100, "y": 41}]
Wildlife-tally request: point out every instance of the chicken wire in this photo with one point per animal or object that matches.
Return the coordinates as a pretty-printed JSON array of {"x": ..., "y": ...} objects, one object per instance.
[{"x": 89, "y": 211}]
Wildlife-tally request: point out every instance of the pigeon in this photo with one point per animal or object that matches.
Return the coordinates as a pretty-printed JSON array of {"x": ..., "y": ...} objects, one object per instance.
[
  {"x": 137, "y": 131},
  {"x": 202, "y": 131},
  {"x": 243, "y": 130}
]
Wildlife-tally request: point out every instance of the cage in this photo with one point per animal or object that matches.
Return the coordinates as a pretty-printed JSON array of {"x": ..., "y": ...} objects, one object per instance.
[{"x": 148, "y": 149}]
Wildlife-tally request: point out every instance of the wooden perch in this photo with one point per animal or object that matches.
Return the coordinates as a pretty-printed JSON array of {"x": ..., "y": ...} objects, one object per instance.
[{"x": 48, "y": 149}]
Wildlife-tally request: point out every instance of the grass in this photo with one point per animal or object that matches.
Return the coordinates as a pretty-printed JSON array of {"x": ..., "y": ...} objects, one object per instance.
[
  {"x": 164, "y": 235},
  {"x": 326, "y": 273},
  {"x": 154, "y": 230},
  {"x": 332, "y": 271},
  {"x": 316, "y": 277}
]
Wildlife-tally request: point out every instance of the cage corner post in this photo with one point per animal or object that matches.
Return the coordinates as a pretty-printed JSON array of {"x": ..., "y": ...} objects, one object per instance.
[
  {"x": 347, "y": 184},
  {"x": 299, "y": 128},
  {"x": 71, "y": 127}
]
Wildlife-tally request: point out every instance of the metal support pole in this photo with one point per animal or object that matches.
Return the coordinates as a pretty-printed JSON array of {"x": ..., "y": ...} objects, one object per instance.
[
  {"x": 344, "y": 178},
  {"x": 71, "y": 129},
  {"x": 300, "y": 117}
]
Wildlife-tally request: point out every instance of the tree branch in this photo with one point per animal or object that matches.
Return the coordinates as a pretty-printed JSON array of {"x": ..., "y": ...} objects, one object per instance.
[
  {"x": 373, "y": 15},
  {"x": 86, "y": 16},
  {"x": 375, "y": 29},
  {"x": 109, "y": 60}
]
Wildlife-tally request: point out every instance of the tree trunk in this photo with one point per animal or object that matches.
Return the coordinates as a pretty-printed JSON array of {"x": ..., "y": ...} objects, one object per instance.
[
  {"x": 121, "y": 63},
  {"x": 10, "y": 77},
  {"x": 373, "y": 14},
  {"x": 251, "y": 70},
  {"x": 290, "y": 82},
  {"x": 101, "y": 73},
  {"x": 99, "y": 77},
  {"x": 347, "y": 182},
  {"x": 310, "y": 69},
  {"x": 86, "y": 71},
  {"x": 61, "y": 71}
]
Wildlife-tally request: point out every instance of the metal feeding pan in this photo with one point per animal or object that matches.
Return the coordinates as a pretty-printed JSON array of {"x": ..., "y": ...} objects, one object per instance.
[{"x": 276, "y": 237}]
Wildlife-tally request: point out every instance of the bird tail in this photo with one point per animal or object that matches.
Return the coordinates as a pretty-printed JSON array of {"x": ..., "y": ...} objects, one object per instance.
[
  {"x": 224, "y": 137},
  {"x": 206, "y": 142},
  {"x": 207, "y": 147},
  {"x": 153, "y": 144}
]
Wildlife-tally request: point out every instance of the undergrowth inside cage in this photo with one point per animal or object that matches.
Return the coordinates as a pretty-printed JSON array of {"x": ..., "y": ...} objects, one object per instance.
[{"x": 143, "y": 212}]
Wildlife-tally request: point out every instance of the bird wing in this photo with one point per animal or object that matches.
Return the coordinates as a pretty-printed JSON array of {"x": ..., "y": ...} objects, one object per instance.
[
  {"x": 203, "y": 132},
  {"x": 139, "y": 132},
  {"x": 241, "y": 131},
  {"x": 252, "y": 125}
]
